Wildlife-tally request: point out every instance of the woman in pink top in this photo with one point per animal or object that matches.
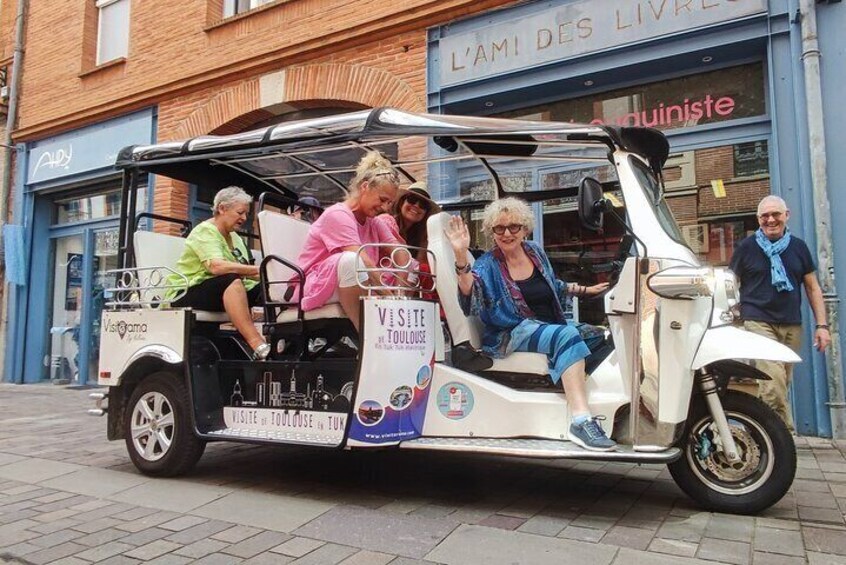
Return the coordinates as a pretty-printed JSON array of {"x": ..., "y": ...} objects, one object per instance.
[{"x": 329, "y": 254}]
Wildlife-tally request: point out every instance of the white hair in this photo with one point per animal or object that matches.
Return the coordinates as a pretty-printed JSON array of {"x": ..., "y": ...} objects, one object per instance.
[
  {"x": 518, "y": 209},
  {"x": 772, "y": 199},
  {"x": 228, "y": 196}
]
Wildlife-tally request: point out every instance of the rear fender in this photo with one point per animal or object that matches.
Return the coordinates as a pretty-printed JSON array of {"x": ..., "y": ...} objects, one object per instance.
[
  {"x": 140, "y": 367},
  {"x": 729, "y": 342}
]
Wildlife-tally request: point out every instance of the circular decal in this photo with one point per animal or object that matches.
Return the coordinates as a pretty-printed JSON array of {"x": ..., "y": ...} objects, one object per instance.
[
  {"x": 370, "y": 412},
  {"x": 401, "y": 397},
  {"x": 455, "y": 401},
  {"x": 424, "y": 375}
]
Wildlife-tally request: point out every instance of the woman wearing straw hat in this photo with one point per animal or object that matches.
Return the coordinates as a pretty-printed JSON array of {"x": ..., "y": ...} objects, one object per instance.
[{"x": 407, "y": 222}]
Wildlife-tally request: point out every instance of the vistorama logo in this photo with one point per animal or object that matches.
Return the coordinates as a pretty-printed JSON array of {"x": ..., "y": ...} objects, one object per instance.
[{"x": 128, "y": 331}]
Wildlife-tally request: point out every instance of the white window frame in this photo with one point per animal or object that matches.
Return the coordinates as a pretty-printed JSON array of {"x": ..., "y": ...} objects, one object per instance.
[
  {"x": 230, "y": 7},
  {"x": 121, "y": 47}
]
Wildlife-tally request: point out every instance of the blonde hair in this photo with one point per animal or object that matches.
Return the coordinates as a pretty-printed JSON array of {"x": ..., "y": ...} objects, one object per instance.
[
  {"x": 519, "y": 210},
  {"x": 228, "y": 196},
  {"x": 375, "y": 169}
]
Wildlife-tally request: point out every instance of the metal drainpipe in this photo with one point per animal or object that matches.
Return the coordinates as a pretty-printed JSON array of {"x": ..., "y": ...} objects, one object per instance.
[
  {"x": 822, "y": 210},
  {"x": 6, "y": 180}
]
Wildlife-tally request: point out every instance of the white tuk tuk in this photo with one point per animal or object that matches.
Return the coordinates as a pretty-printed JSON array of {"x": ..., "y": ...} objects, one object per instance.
[{"x": 414, "y": 378}]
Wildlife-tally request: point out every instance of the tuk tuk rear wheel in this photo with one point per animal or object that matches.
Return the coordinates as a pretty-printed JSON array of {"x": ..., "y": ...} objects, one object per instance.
[
  {"x": 767, "y": 462},
  {"x": 159, "y": 436}
]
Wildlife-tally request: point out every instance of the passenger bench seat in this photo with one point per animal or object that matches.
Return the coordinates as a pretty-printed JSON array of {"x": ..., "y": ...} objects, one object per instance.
[
  {"x": 154, "y": 249},
  {"x": 285, "y": 236}
]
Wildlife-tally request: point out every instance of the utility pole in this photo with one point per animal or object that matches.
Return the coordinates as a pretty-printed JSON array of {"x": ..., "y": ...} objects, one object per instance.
[
  {"x": 822, "y": 210},
  {"x": 6, "y": 177}
]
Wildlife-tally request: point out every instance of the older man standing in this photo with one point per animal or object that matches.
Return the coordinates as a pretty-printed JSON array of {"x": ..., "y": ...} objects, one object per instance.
[{"x": 772, "y": 264}]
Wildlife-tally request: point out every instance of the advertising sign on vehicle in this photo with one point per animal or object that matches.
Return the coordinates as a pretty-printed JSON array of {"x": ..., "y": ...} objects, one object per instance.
[{"x": 396, "y": 371}]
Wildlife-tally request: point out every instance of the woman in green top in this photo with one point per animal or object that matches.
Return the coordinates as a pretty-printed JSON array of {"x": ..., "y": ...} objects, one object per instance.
[{"x": 217, "y": 265}]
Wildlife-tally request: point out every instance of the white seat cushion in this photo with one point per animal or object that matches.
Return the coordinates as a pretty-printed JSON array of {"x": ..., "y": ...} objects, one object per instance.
[
  {"x": 464, "y": 329},
  {"x": 522, "y": 362},
  {"x": 284, "y": 236},
  {"x": 206, "y": 316}
]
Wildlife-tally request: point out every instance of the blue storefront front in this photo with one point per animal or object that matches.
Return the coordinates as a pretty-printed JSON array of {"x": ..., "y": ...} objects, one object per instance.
[
  {"x": 723, "y": 79},
  {"x": 67, "y": 201}
]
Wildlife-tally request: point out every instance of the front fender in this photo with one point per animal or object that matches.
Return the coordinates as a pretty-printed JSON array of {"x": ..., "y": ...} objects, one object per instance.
[{"x": 729, "y": 342}]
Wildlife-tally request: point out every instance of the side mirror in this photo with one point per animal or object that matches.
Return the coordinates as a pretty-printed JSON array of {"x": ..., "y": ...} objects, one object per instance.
[{"x": 591, "y": 204}]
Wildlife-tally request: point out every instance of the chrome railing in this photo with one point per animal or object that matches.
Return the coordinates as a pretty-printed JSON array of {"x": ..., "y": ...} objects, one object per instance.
[
  {"x": 396, "y": 272},
  {"x": 144, "y": 287}
]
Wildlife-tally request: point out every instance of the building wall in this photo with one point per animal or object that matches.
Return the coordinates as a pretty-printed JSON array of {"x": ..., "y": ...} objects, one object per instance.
[{"x": 179, "y": 49}]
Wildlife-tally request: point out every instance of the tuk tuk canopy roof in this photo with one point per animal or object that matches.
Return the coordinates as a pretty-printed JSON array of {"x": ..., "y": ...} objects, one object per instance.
[{"x": 316, "y": 156}]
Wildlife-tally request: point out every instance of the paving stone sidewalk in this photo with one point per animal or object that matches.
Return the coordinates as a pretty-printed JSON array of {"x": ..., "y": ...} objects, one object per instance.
[{"x": 68, "y": 496}]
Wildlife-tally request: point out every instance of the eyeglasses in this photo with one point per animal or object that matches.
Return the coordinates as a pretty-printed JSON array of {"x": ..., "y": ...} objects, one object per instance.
[
  {"x": 417, "y": 201},
  {"x": 512, "y": 228},
  {"x": 774, "y": 215}
]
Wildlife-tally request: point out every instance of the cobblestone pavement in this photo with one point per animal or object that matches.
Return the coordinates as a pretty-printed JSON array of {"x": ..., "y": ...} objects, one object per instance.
[{"x": 69, "y": 496}]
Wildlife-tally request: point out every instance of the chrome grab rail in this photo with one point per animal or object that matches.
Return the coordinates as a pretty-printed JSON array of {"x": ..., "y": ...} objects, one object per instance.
[
  {"x": 396, "y": 276},
  {"x": 144, "y": 286}
]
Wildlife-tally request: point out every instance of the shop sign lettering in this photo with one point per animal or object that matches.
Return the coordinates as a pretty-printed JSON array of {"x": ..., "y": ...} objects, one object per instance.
[
  {"x": 577, "y": 28},
  {"x": 59, "y": 158},
  {"x": 687, "y": 112}
]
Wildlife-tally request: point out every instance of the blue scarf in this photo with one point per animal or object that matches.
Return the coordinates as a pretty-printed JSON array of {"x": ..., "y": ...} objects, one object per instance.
[{"x": 773, "y": 250}]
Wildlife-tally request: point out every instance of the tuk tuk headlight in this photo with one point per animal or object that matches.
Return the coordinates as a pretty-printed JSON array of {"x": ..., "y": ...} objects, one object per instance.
[
  {"x": 730, "y": 309},
  {"x": 730, "y": 280},
  {"x": 685, "y": 283}
]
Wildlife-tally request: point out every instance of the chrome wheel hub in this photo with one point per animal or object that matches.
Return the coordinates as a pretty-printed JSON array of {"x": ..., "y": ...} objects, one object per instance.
[
  {"x": 750, "y": 458},
  {"x": 749, "y": 472},
  {"x": 152, "y": 426}
]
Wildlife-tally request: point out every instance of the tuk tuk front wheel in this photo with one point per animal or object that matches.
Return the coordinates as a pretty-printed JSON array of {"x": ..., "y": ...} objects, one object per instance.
[
  {"x": 159, "y": 436},
  {"x": 761, "y": 476}
]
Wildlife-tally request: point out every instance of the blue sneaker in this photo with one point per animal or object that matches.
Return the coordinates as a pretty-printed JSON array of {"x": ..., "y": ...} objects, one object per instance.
[{"x": 590, "y": 435}]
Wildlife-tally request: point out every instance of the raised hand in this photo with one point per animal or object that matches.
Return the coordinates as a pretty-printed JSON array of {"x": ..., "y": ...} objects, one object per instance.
[{"x": 459, "y": 237}]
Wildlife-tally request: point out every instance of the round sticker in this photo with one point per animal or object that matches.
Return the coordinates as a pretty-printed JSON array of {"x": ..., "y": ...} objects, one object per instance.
[
  {"x": 424, "y": 375},
  {"x": 455, "y": 401},
  {"x": 370, "y": 412},
  {"x": 401, "y": 397}
]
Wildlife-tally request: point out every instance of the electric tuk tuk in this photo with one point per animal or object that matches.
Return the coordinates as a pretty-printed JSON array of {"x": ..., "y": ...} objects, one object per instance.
[{"x": 414, "y": 378}]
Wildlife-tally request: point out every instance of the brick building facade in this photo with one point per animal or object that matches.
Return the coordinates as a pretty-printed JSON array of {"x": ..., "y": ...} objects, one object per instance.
[{"x": 205, "y": 73}]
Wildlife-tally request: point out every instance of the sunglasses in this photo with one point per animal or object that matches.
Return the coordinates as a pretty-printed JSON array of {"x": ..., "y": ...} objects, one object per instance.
[
  {"x": 514, "y": 229},
  {"x": 417, "y": 201}
]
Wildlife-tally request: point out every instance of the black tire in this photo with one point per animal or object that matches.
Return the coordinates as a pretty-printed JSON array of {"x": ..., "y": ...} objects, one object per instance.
[
  {"x": 165, "y": 445},
  {"x": 768, "y": 458}
]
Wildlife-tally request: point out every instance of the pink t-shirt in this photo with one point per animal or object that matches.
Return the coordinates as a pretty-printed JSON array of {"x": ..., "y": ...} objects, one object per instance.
[{"x": 334, "y": 230}]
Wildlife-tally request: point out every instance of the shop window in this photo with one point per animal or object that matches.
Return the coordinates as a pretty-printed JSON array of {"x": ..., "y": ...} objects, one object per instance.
[
  {"x": 91, "y": 207},
  {"x": 717, "y": 96},
  {"x": 233, "y": 7},
  {"x": 751, "y": 159},
  {"x": 112, "y": 30},
  {"x": 717, "y": 200}
]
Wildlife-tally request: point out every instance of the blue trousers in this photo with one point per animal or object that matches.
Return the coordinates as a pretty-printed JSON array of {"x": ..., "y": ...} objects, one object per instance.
[{"x": 563, "y": 344}]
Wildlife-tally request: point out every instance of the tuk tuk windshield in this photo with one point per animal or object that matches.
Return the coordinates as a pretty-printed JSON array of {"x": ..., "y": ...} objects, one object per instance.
[{"x": 650, "y": 184}]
